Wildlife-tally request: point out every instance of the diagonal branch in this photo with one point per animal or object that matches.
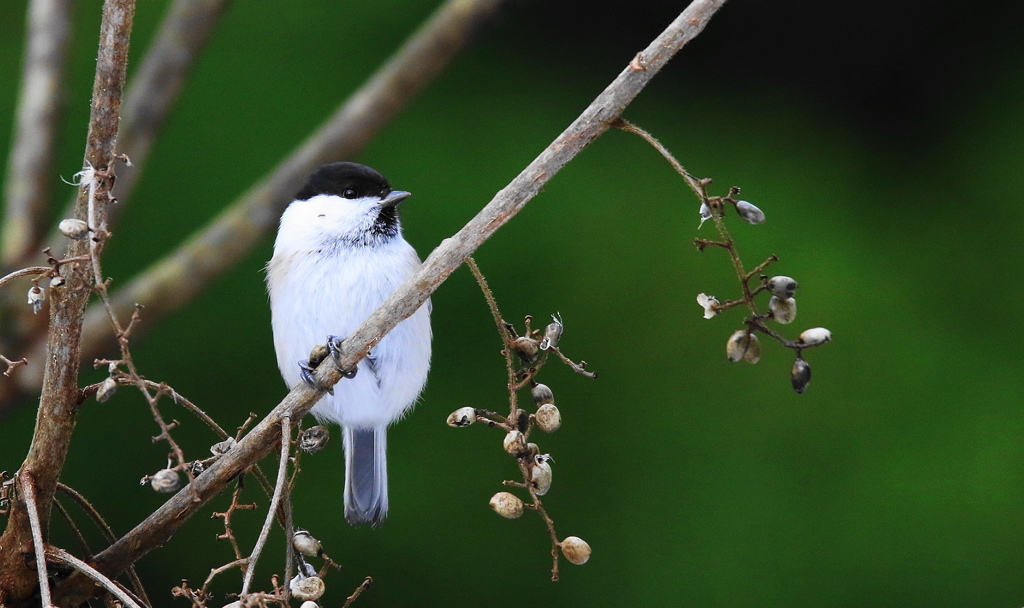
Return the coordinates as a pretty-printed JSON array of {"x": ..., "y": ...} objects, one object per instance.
[
  {"x": 30, "y": 167},
  {"x": 58, "y": 402},
  {"x": 594, "y": 121},
  {"x": 176, "y": 279}
]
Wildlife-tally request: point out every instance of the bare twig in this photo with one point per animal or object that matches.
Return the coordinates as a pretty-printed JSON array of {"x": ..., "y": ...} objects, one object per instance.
[
  {"x": 24, "y": 272},
  {"x": 179, "y": 399},
  {"x": 594, "y": 121},
  {"x": 12, "y": 365},
  {"x": 289, "y": 531},
  {"x": 238, "y": 563},
  {"x": 492, "y": 304},
  {"x": 580, "y": 368},
  {"x": 58, "y": 401},
  {"x": 548, "y": 522},
  {"x": 105, "y": 529},
  {"x": 359, "y": 590},
  {"x": 282, "y": 471},
  {"x": 28, "y": 494},
  {"x": 760, "y": 267},
  {"x": 692, "y": 181},
  {"x": 30, "y": 168},
  {"x": 506, "y": 337},
  {"x": 63, "y": 557},
  {"x": 226, "y": 516},
  {"x": 75, "y": 531}
]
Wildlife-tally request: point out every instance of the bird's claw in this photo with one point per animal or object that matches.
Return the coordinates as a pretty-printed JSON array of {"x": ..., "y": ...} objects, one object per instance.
[
  {"x": 334, "y": 347},
  {"x": 307, "y": 372},
  {"x": 307, "y": 369}
]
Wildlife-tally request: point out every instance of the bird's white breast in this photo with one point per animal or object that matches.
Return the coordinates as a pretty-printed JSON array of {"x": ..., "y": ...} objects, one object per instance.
[{"x": 321, "y": 284}]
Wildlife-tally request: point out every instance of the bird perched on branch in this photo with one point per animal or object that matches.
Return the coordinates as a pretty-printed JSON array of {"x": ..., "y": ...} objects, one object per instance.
[{"x": 338, "y": 255}]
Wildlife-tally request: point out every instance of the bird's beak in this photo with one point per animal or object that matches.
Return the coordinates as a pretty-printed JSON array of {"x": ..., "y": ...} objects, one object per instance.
[{"x": 394, "y": 197}]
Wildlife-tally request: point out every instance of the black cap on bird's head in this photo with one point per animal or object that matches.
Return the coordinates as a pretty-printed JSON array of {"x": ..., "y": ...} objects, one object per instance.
[
  {"x": 354, "y": 181},
  {"x": 347, "y": 180}
]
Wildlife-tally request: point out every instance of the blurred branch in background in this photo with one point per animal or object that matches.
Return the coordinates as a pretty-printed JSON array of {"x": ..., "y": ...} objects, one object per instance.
[
  {"x": 154, "y": 90},
  {"x": 147, "y": 105},
  {"x": 30, "y": 166}
]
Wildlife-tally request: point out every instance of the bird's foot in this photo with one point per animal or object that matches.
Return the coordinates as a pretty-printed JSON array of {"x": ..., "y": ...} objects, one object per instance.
[
  {"x": 307, "y": 369},
  {"x": 334, "y": 347}
]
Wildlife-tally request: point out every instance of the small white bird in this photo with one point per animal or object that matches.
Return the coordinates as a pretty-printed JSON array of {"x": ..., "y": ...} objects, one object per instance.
[{"x": 339, "y": 254}]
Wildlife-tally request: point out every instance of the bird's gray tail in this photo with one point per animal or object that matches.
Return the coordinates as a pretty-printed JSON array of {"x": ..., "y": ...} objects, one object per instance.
[{"x": 366, "y": 476}]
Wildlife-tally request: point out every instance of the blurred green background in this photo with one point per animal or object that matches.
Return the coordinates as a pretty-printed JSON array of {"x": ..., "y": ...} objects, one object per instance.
[{"x": 880, "y": 138}]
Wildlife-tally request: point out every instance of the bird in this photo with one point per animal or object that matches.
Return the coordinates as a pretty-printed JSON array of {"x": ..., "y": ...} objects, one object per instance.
[{"x": 339, "y": 253}]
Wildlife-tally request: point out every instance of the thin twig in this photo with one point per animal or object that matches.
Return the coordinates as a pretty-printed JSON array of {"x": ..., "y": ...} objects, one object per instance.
[
  {"x": 28, "y": 494},
  {"x": 97, "y": 183},
  {"x": 75, "y": 531},
  {"x": 89, "y": 391},
  {"x": 33, "y": 153},
  {"x": 503, "y": 331},
  {"x": 25, "y": 272},
  {"x": 161, "y": 388},
  {"x": 359, "y": 590},
  {"x": 548, "y": 522},
  {"x": 106, "y": 530},
  {"x": 492, "y": 304},
  {"x": 289, "y": 532},
  {"x": 63, "y": 557},
  {"x": 238, "y": 563},
  {"x": 451, "y": 254},
  {"x": 698, "y": 186},
  {"x": 716, "y": 206},
  {"x": 692, "y": 181},
  {"x": 580, "y": 368},
  {"x": 757, "y": 269},
  {"x": 226, "y": 516},
  {"x": 12, "y": 365},
  {"x": 159, "y": 80},
  {"x": 282, "y": 473},
  {"x": 702, "y": 244},
  {"x": 737, "y": 262}
]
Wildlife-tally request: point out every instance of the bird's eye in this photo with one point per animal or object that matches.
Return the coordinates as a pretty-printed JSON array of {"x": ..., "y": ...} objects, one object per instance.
[{"x": 350, "y": 193}]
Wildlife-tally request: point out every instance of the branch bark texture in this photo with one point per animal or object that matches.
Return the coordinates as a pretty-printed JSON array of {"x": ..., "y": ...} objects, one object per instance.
[
  {"x": 55, "y": 420},
  {"x": 452, "y": 252}
]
